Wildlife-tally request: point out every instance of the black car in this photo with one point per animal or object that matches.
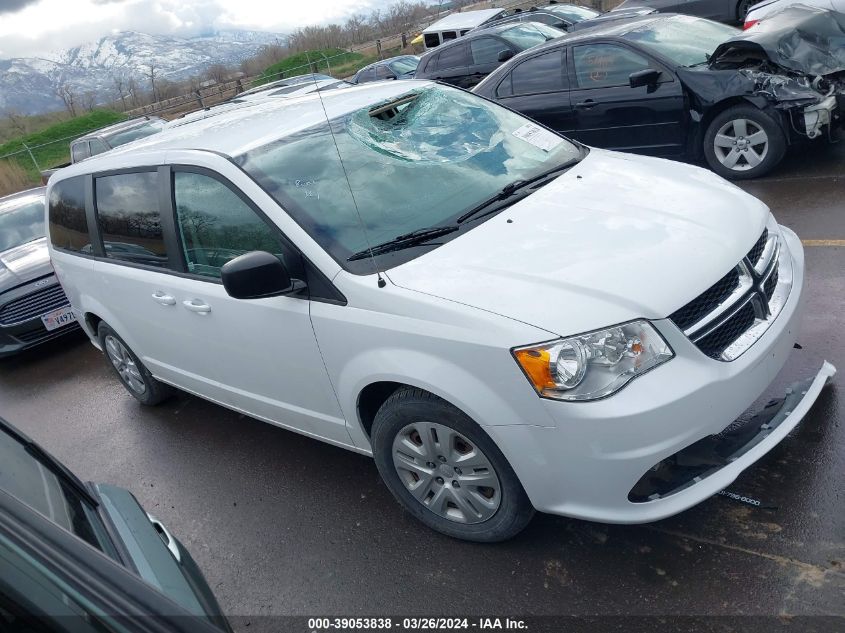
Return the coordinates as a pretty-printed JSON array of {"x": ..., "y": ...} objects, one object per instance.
[
  {"x": 87, "y": 557},
  {"x": 401, "y": 67},
  {"x": 467, "y": 60},
  {"x": 33, "y": 306},
  {"x": 684, "y": 87}
]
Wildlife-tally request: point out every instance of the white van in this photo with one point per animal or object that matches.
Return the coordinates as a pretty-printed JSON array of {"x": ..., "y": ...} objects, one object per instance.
[
  {"x": 456, "y": 25},
  {"x": 504, "y": 319}
]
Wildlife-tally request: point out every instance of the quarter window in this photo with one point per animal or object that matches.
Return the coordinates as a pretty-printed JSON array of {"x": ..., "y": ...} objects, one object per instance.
[
  {"x": 383, "y": 72},
  {"x": 79, "y": 151},
  {"x": 601, "y": 65},
  {"x": 543, "y": 73},
  {"x": 485, "y": 50},
  {"x": 129, "y": 218},
  {"x": 216, "y": 225},
  {"x": 68, "y": 223},
  {"x": 431, "y": 40}
]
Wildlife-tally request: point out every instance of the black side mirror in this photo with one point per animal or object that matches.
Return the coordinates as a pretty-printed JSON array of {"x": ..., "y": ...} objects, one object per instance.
[
  {"x": 256, "y": 275},
  {"x": 505, "y": 55},
  {"x": 647, "y": 77}
]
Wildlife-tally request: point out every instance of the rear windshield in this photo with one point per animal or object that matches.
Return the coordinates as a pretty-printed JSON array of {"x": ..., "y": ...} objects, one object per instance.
[
  {"x": 572, "y": 13},
  {"x": 529, "y": 34},
  {"x": 21, "y": 224},
  {"x": 403, "y": 66},
  {"x": 142, "y": 131},
  {"x": 420, "y": 160},
  {"x": 686, "y": 40}
]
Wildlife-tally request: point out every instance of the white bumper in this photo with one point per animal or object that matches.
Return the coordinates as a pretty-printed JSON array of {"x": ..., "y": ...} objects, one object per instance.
[{"x": 588, "y": 464}]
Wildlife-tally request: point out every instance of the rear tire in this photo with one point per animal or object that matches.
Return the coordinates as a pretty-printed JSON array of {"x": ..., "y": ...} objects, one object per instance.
[
  {"x": 445, "y": 470},
  {"x": 137, "y": 379},
  {"x": 744, "y": 142}
]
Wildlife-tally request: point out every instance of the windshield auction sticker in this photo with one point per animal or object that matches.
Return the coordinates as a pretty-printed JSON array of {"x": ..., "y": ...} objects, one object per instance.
[{"x": 538, "y": 137}]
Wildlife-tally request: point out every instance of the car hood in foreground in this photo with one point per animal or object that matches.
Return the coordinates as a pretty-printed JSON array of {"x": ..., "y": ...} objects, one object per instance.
[
  {"x": 799, "y": 38},
  {"x": 615, "y": 238},
  {"x": 24, "y": 263}
]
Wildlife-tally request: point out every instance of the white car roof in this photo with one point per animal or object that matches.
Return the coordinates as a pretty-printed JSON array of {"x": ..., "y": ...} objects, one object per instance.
[
  {"x": 235, "y": 131},
  {"x": 464, "y": 20}
]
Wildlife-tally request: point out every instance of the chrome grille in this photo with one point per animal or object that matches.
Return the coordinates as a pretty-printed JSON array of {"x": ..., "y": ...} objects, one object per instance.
[
  {"x": 729, "y": 316},
  {"x": 42, "y": 334},
  {"x": 33, "y": 305}
]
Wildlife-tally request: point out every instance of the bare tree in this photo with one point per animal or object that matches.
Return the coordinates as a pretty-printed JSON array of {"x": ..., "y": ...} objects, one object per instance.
[
  {"x": 89, "y": 100},
  {"x": 19, "y": 122},
  {"x": 151, "y": 73},
  {"x": 218, "y": 73},
  {"x": 68, "y": 96},
  {"x": 121, "y": 87}
]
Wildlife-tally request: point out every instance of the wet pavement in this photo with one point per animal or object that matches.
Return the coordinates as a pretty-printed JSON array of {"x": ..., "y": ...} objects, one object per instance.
[{"x": 281, "y": 524}]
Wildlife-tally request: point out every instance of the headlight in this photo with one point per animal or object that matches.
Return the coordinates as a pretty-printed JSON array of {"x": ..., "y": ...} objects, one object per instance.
[{"x": 593, "y": 365}]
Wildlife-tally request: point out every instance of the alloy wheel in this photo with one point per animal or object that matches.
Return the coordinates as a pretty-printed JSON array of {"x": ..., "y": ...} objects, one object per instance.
[
  {"x": 125, "y": 366},
  {"x": 446, "y": 472},
  {"x": 741, "y": 145}
]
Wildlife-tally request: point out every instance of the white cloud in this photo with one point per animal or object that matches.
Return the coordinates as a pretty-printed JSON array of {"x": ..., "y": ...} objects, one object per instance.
[{"x": 50, "y": 25}]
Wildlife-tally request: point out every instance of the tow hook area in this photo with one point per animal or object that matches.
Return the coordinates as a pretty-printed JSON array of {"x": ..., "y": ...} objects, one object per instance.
[
  {"x": 698, "y": 461},
  {"x": 819, "y": 115}
]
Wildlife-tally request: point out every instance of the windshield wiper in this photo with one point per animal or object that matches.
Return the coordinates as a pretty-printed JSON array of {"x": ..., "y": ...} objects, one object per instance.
[
  {"x": 491, "y": 205},
  {"x": 406, "y": 240}
]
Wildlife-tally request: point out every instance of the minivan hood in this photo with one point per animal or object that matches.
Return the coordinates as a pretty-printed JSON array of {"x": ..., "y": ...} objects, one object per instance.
[
  {"x": 24, "y": 263},
  {"x": 617, "y": 237}
]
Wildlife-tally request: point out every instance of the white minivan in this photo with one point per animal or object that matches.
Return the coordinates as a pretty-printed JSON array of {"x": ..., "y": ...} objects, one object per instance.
[{"x": 504, "y": 319}]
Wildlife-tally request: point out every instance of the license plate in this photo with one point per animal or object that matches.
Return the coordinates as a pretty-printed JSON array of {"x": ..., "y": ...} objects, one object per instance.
[{"x": 57, "y": 318}]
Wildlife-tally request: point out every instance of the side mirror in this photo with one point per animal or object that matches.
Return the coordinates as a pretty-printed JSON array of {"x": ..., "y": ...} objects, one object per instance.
[
  {"x": 647, "y": 77},
  {"x": 256, "y": 275},
  {"x": 505, "y": 55}
]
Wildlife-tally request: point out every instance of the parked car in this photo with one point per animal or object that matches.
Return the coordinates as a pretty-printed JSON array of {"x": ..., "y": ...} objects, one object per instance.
[
  {"x": 729, "y": 11},
  {"x": 290, "y": 81},
  {"x": 467, "y": 61},
  {"x": 559, "y": 16},
  {"x": 761, "y": 10},
  {"x": 75, "y": 556},
  {"x": 678, "y": 87},
  {"x": 612, "y": 16},
  {"x": 505, "y": 319},
  {"x": 457, "y": 25},
  {"x": 33, "y": 306},
  {"x": 108, "y": 138},
  {"x": 401, "y": 67}
]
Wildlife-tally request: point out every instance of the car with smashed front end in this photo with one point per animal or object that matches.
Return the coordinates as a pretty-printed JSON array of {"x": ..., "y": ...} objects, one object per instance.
[{"x": 506, "y": 320}]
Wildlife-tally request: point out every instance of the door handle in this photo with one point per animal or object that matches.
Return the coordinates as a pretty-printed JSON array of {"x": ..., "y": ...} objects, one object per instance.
[
  {"x": 195, "y": 305},
  {"x": 163, "y": 299},
  {"x": 589, "y": 103}
]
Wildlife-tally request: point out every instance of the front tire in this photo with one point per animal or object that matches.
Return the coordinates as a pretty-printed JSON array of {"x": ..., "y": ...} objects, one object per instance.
[
  {"x": 137, "y": 379},
  {"x": 445, "y": 470},
  {"x": 743, "y": 142}
]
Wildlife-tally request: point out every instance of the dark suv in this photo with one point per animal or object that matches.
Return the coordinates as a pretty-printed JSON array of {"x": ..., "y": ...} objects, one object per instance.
[{"x": 466, "y": 61}]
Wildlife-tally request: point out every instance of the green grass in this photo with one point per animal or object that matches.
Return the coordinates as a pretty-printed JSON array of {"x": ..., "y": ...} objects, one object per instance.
[
  {"x": 339, "y": 61},
  {"x": 55, "y": 151}
]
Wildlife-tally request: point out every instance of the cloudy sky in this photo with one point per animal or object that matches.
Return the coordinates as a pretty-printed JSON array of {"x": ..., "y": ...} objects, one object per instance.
[{"x": 32, "y": 27}]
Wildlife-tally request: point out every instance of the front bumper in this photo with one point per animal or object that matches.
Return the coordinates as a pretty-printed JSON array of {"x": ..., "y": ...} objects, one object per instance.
[
  {"x": 588, "y": 465},
  {"x": 18, "y": 333}
]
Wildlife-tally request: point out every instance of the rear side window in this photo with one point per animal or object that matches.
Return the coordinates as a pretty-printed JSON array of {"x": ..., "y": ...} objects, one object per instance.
[
  {"x": 216, "y": 225},
  {"x": 543, "y": 73},
  {"x": 431, "y": 40},
  {"x": 68, "y": 223},
  {"x": 485, "y": 50},
  {"x": 129, "y": 218},
  {"x": 454, "y": 57},
  {"x": 79, "y": 151},
  {"x": 449, "y": 35},
  {"x": 383, "y": 72}
]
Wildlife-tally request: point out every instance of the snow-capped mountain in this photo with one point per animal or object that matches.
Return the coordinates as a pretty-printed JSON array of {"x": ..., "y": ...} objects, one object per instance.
[{"x": 28, "y": 85}]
